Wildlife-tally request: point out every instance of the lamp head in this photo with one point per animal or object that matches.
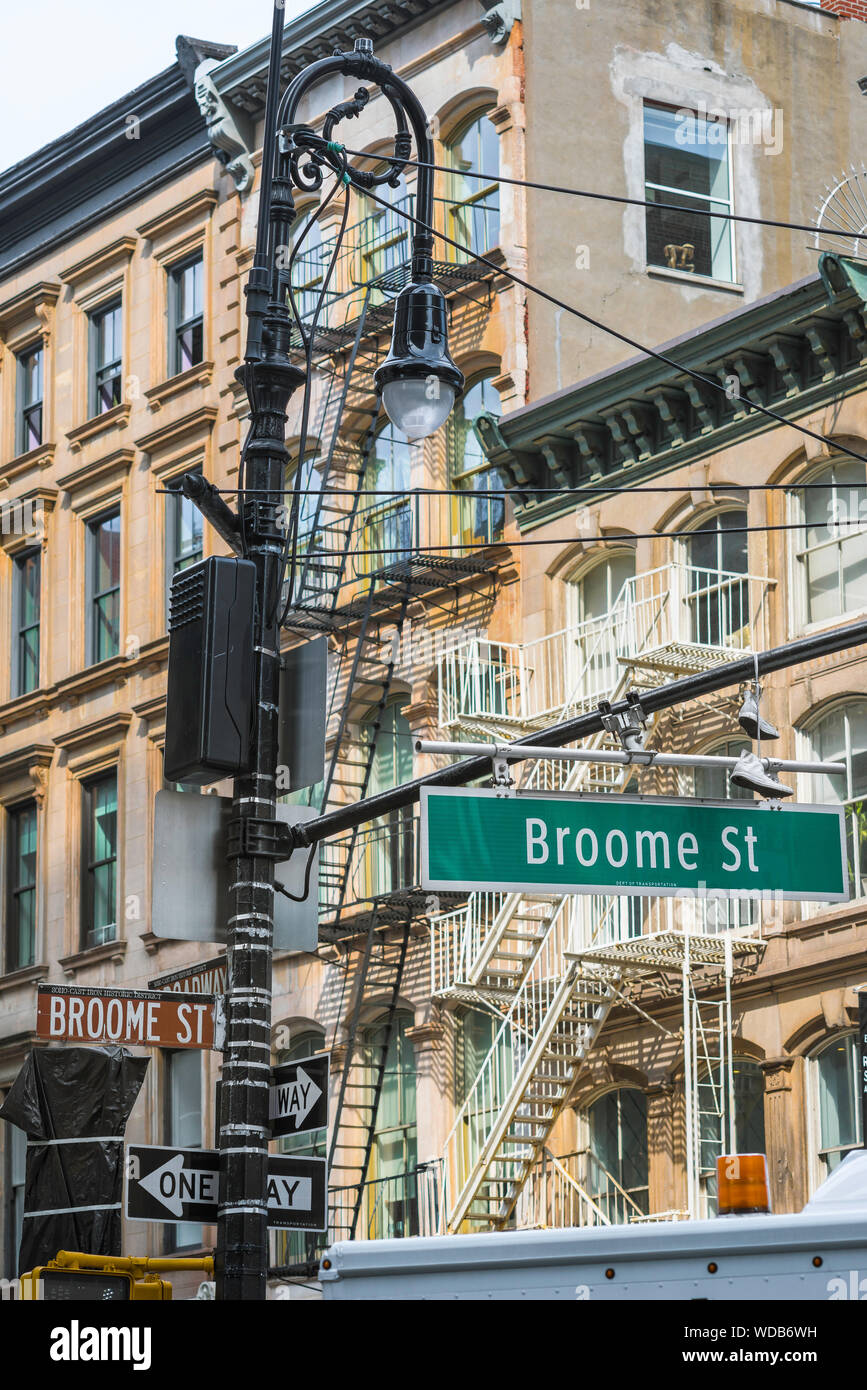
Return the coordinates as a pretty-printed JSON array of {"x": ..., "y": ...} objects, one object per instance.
[{"x": 418, "y": 380}]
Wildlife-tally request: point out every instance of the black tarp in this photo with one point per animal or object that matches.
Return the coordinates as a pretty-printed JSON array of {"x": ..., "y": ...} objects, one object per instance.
[{"x": 64, "y": 1093}]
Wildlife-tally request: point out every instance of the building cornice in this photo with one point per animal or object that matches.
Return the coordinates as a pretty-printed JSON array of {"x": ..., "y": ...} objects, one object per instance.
[
  {"x": 793, "y": 351},
  {"x": 335, "y": 24}
]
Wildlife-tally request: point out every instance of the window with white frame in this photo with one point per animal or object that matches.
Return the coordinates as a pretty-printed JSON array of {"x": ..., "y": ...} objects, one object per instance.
[
  {"x": 748, "y": 1086},
  {"x": 309, "y": 268},
  {"x": 596, "y": 626},
  {"x": 840, "y": 736},
  {"x": 717, "y": 584},
  {"x": 618, "y": 1158},
  {"x": 478, "y": 516},
  {"x": 830, "y": 551},
  {"x": 383, "y": 235},
  {"x": 474, "y": 201},
  {"x": 836, "y": 1108},
  {"x": 687, "y": 175}
]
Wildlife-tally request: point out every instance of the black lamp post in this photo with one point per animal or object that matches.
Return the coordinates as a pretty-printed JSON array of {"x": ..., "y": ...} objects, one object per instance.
[{"x": 419, "y": 383}]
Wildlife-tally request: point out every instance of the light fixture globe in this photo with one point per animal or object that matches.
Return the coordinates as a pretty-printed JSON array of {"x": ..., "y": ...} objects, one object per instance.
[{"x": 418, "y": 380}]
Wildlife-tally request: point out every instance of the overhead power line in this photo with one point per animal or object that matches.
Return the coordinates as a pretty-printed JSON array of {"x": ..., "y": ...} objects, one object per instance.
[
  {"x": 615, "y": 332},
  {"x": 613, "y": 197}
]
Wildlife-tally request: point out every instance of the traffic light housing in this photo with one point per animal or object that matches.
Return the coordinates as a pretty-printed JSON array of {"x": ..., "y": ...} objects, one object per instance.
[
  {"x": 209, "y": 702},
  {"x": 53, "y": 1284}
]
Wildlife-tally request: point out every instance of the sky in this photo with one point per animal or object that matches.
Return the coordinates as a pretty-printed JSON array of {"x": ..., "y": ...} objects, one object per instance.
[{"x": 64, "y": 60}]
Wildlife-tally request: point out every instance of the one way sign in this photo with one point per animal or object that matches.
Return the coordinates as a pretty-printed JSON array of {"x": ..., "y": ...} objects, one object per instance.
[
  {"x": 183, "y": 1185},
  {"x": 299, "y": 1096}
]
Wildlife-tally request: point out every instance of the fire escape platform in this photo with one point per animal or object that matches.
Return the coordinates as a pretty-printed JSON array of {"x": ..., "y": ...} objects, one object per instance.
[
  {"x": 681, "y": 659},
  {"x": 417, "y": 574},
  {"x": 667, "y": 951}
]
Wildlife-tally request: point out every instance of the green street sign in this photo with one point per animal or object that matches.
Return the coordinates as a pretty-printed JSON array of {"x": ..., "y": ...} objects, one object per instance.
[{"x": 658, "y": 846}]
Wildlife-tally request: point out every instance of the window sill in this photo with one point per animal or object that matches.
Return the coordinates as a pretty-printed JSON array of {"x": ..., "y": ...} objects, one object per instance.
[
  {"x": 25, "y": 976},
  {"x": 116, "y": 418},
  {"x": 43, "y": 457},
  {"x": 93, "y": 955},
  {"x": 708, "y": 282},
  {"x": 199, "y": 375},
  {"x": 828, "y": 624}
]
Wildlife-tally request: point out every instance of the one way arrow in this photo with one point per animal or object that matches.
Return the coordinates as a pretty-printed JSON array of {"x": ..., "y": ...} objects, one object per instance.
[
  {"x": 295, "y": 1098},
  {"x": 152, "y": 1184}
]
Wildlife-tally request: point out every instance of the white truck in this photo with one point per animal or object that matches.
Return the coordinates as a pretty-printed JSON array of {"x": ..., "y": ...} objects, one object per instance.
[{"x": 818, "y": 1254}]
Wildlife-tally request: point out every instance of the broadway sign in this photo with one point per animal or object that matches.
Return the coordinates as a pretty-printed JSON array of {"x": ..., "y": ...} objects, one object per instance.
[
  {"x": 128, "y": 1017},
  {"x": 616, "y": 844}
]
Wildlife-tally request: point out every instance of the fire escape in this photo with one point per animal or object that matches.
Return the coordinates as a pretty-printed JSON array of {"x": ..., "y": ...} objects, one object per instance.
[
  {"x": 359, "y": 569},
  {"x": 550, "y": 969}
]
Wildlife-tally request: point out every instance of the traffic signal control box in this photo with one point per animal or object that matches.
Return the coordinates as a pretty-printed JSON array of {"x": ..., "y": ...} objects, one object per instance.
[{"x": 209, "y": 705}]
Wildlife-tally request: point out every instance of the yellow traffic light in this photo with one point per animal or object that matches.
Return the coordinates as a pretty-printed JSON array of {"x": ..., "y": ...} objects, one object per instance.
[{"x": 74, "y": 1276}]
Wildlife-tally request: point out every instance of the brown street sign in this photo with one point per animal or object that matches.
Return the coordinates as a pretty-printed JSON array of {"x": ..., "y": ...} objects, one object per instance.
[
  {"x": 134, "y": 1017},
  {"x": 203, "y": 977}
]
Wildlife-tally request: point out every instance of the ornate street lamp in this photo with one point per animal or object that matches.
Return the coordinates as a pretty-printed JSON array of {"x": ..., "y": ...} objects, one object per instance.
[{"x": 419, "y": 384}]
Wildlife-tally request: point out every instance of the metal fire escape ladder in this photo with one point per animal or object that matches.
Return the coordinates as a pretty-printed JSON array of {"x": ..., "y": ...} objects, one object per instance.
[{"x": 380, "y": 975}]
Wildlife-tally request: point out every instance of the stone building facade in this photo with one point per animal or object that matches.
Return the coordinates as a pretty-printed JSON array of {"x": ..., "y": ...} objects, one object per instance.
[{"x": 121, "y": 325}]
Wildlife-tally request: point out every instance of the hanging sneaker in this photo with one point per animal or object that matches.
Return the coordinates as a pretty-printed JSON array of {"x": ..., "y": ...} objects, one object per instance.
[
  {"x": 749, "y": 772},
  {"x": 751, "y": 720}
]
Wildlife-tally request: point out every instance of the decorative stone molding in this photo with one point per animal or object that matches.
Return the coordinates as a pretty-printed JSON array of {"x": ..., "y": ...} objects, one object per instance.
[
  {"x": 37, "y": 302},
  {"x": 195, "y": 208},
  {"x": 199, "y": 375},
  {"x": 22, "y": 764},
  {"x": 78, "y": 483},
  {"x": 223, "y": 129},
  {"x": 29, "y": 974},
  {"x": 110, "y": 730},
  {"x": 117, "y": 253},
  {"x": 195, "y": 425},
  {"x": 93, "y": 955},
  {"x": 499, "y": 19},
  {"x": 116, "y": 418},
  {"x": 426, "y": 1037},
  {"x": 778, "y": 1073},
  {"x": 34, "y": 459}
]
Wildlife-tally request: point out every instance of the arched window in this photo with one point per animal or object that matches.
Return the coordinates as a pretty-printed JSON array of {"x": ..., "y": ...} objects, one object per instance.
[
  {"x": 749, "y": 1117},
  {"x": 713, "y": 784},
  {"x": 384, "y": 235},
  {"x": 834, "y": 1081},
  {"x": 474, "y": 211},
  {"x": 476, "y": 518},
  {"x": 830, "y": 552},
  {"x": 717, "y": 596},
  {"x": 386, "y": 851},
  {"x": 386, "y": 523},
  {"x": 840, "y": 736},
  {"x": 618, "y": 1158},
  {"x": 392, "y": 1206},
  {"x": 310, "y": 268},
  {"x": 594, "y": 640}
]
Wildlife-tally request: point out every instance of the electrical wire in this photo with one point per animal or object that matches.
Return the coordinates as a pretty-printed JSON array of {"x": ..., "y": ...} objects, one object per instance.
[
  {"x": 612, "y": 197},
  {"x": 614, "y": 332},
  {"x": 591, "y": 540},
  {"x": 594, "y": 489}
]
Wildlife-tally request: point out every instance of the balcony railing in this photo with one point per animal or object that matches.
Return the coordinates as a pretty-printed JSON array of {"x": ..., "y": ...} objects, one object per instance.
[
  {"x": 413, "y": 529},
  {"x": 383, "y": 860},
  {"x": 670, "y": 617},
  {"x": 577, "y": 1190},
  {"x": 392, "y": 1208}
]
